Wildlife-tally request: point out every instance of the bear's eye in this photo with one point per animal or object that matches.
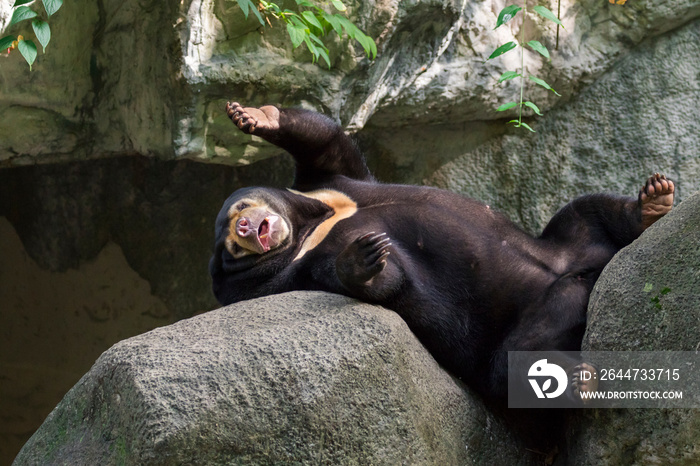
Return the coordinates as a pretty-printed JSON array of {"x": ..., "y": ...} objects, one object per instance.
[{"x": 242, "y": 206}]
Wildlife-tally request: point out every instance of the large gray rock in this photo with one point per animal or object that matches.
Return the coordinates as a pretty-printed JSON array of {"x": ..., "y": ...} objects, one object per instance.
[
  {"x": 623, "y": 317},
  {"x": 300, "y": 378}
]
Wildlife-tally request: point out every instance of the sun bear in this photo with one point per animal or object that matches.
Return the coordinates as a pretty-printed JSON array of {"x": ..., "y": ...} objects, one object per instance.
[{"x": 469, "y": 283}]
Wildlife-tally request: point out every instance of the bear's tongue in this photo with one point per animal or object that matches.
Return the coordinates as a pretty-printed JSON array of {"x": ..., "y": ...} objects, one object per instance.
[{"x": 264, "y": 234}]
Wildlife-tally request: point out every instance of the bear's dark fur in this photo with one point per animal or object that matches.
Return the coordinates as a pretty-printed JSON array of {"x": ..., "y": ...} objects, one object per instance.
[{"x": 468, "y": 282}]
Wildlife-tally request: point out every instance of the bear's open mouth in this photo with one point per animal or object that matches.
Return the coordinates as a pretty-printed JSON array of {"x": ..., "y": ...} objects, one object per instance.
[
  {"x": 264, "y": 234},
  {"x": 258, "y": 232}
]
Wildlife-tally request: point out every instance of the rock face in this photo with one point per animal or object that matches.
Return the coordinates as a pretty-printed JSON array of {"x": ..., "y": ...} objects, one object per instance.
[
  {"x": 604, "y": 139},
  {"x": 296, "y": 378},
  {"x": 623, "y": 317},
  {"x": 152, "y": 76}
]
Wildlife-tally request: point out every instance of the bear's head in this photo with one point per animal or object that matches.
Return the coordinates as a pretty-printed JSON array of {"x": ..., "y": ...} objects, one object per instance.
[{"x": 259, "y": 231}]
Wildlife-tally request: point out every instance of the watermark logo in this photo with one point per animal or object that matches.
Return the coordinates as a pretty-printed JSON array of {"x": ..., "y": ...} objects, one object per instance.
[
  {"x": 604, "y": 379},
  {"x": 543, "y": 372}
]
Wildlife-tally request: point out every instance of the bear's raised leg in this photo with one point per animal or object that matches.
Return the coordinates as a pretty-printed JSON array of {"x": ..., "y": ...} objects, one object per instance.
[
  {"x": 607, "y": 220},
  {"x": 656, "y": 199},
  {"x": 319, "y": 146},
  {"x": 595, "y": 227}
]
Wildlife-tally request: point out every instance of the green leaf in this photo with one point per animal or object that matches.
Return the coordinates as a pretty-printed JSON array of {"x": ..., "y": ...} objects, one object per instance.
[
  {"x": 507, "y": 106},
  {"x": 518, "y": 124},
  {"x": 42, "y": 31},
  {"x": 52, "y": 6},
  {"x": 247, "y": 6},
  {"x": 543, "y": 84},
  {"x": 296, "y": 34},
  {"x": 545, "y": 13},
  {"x": 648, "y": 287},
  {"x": 338, "y": 5},
  {"x": 296, "y": 21},
  {"x": 22, "y": 13},
  {"x": 350, "y": 29},
  {"x": 316, "y": 39},
  {"x": 528, "y": 127},
  {"x": 270, "y": 6},
  {"x": 21, "y": 2},
  {"x": 258, "y": 15},
  {"x": 363, "y": 40},
  {"x": 340, "y": 23},
  {"x": 310, "y": 18},
  {"x": 325, "y": 57},
  {"x": 312, "y": 48},
  {"x": 367, "y": 43},
  {"x": 28, "y": 51},
  {"x": 373, "y": 48},
  {"x": 507, "y": 14},
  {"x": 665, "y": 291},
  {"x": 508, "y": 75},
  {"x": 244, "y": 5},
  {"x": 503, "y": 49},
  {"x": 533, "y": 107},
  {"x": 538, "y": 47},
  {"x": 6, "y": 42},
  {"x": 335, "y": 23}
]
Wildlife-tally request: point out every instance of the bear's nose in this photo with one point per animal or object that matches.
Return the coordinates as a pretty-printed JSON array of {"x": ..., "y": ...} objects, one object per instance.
[{"x": 243, "y": 227}]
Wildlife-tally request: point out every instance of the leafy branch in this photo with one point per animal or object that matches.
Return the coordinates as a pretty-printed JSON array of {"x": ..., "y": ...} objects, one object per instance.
[
  {"x": 506, "y": 14},
  {"x": 40, "y": 25},
  {"x": 309, "y": 24}
]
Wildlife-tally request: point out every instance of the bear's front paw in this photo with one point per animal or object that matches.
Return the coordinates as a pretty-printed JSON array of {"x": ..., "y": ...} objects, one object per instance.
[{"x": 363, "y": 259}]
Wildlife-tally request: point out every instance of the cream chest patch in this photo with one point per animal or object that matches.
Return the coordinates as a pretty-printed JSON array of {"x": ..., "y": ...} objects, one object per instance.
[{"x": 343, "y": 207}]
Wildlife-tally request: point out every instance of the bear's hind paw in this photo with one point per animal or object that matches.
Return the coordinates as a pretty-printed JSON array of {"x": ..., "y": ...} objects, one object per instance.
[
  {"x": 251, "y": 119},
  {"x": 656, "y": 198},
  {"x": 584, "y": 387}
]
